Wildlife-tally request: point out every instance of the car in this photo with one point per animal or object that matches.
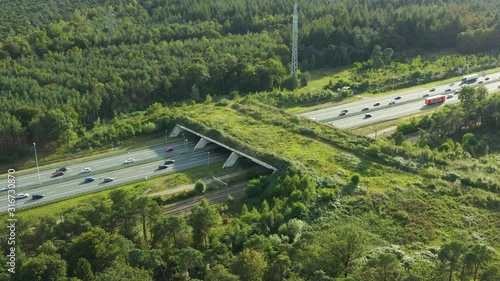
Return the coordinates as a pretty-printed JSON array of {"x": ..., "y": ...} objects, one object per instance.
[
  {"x": 22, "y": 195},
  {"x": 376, "y": 104},
  {"x": 487, "y": 78},
  {"x": 392, "y": 102},
  {"x": 457, "y": 92},
  {"x": 170, "y": 149},
  {"x": 342, "y": 113},
  {"x": 344, "y": 110},
  {"x": 6, "y": 188},
  {"x": 368, "y": 115},
  {"x": 448, "y": 90},
  {"x": 365, "y": 109},
  {"x": 162, "y": 167},
  {"x": 432, "y": 89},
  {"x": 62, "y": 169},
  {"x": 425, "y": 95},
  {"x": 87, "y": 180},
  {"x": 169, "y": 161},
  {"x": 130, "y": 160},
  {"x": 86, "y": 170},
  {"x": 108, "y": 179},
  {"x": 397, "y": 98},
  {"x": 57, "y": 173},
  {"x": 480, "y": 82},
  {"x": 449, "y": 96},
  {"x": 37, "y": 196}
]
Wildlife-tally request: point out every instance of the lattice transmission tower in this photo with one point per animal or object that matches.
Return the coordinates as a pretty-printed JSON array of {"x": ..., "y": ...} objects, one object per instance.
[
  {"x": 295, "y": 40},
  {"x": 111, "y": 26}
]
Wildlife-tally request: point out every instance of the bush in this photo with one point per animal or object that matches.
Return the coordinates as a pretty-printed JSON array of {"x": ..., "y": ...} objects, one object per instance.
[
  {"x": 451, "y": 176},
  {"x": 355, "y": 179},
  {"x": 200, "y": 187}
]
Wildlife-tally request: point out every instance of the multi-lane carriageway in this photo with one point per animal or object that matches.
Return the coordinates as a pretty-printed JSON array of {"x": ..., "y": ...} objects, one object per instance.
[
  {"x": 411, "y": 102},
  {"x": 187, "y": 155}
]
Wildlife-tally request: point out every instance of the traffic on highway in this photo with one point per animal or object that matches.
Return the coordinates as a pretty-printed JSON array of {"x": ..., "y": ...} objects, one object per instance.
[
  {"x": 377, "y": 109},
  {"x": 91, "y": 167},
  {"x": 87, "y": 183}
]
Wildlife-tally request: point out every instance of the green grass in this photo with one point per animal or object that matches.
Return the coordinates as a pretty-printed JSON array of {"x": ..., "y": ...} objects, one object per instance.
[
  {"x": 316, "y": 156},
  {"x": 321, "y": 77}
]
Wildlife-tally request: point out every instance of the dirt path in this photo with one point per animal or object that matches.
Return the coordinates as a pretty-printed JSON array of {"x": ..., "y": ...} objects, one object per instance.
[
  {"x": 384, "y": 132},
  {"x": 191, "y": 186}
]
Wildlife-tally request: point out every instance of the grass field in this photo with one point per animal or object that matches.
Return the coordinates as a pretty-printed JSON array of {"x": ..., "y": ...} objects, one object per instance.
[{"x": 321, "y": 77}]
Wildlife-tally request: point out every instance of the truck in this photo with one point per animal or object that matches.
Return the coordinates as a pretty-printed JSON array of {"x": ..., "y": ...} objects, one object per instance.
[
  {"x": 435, "y": 99},
  {"x": 470, "y": 78}
]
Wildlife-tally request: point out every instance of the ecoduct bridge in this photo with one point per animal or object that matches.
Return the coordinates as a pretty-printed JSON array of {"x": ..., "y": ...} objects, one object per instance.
[{"x": 235, "y": 154}]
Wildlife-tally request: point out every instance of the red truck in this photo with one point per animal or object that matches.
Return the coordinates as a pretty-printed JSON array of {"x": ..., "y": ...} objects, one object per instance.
[{"x": 435, "y": 99}]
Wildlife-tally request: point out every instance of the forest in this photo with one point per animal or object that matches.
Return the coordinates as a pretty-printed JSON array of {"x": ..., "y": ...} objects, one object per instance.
[{"x": 79, "y": 63}]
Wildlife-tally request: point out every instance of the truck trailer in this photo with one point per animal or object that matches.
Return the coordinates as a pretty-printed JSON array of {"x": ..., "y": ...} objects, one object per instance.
[
  {"x": 470, "y": 78},
  {"x": 435, "y": 99}
]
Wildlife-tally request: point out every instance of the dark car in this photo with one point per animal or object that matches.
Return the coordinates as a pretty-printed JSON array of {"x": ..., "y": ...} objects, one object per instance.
[
  {"x": 37, "y": 196},
  {"x": 162, "y": 167},
  {"x": 170, "y": 149},
  {"x": 432, "y": 89},
  {"x": 480, "y": 82},
  {"x": 365, "y": 109},
  {"x": 169, "y": 161},
  {"x": 57, "y": 173},
  {"x": 342, "y": 113},
  {"x": 425, "y": 95},
  {"x": 448, "y": 90},
  {"x": 377, "y": 104},
  {"x": 63, "y": 169},
  {"x": 487, "y": 78},
  {"x": 397, "y": 98},
  {"x": 368, "y": 115},
  {"x": 87, "y": 180},
  {"x": 108, "y": 179}
]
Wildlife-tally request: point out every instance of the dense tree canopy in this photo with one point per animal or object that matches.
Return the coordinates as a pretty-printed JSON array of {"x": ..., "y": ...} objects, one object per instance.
[{"x": 101, "y": 58}]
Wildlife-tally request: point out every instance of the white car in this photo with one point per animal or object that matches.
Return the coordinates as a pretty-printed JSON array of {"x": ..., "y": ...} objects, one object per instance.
[
  {"x": 6, "y": 188},
  {"x": 22, "y": 195},
  {"x": 86, "y": 170},
  {"x": 130, "y": 160}
]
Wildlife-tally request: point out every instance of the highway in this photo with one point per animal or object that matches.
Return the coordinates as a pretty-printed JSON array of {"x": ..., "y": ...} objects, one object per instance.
[
  {"x": 54, "y": 191},
  {"x": 107, "y": 163},
  {"x": 411, "y": 101}
]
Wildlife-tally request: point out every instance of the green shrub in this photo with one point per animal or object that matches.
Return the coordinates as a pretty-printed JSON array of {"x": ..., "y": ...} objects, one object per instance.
[
  {"x": 451, "y": 176},
  {"x": 200, "y": 187}
]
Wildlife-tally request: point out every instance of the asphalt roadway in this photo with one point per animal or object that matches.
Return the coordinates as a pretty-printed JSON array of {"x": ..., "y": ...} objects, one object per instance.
[
  {"x": 69, "y": 188},
  {"x": 107, "y": 163},
  {"x": 411, "y": 101}
]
